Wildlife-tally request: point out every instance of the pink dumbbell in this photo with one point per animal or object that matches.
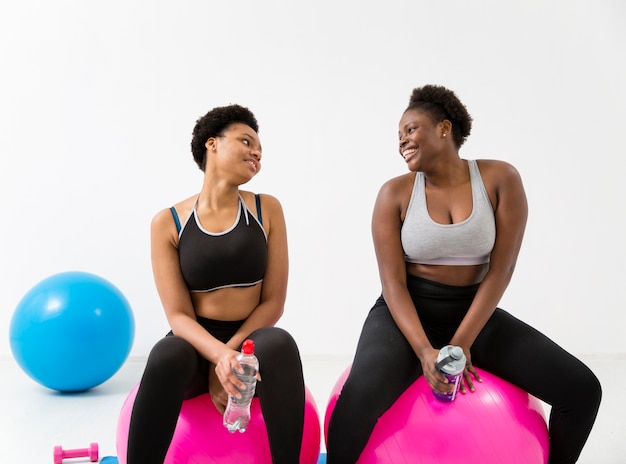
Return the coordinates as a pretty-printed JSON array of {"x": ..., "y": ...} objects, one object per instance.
[{"x": 91, "y": 452}]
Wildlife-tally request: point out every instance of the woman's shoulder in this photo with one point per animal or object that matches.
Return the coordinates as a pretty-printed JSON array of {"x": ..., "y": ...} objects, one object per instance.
[
  {"x": 496, "y": 168},
  {"x": 182, "y": 210},
  {"x": 271, "y": 208},
  {"x": 495, "y": 165},
  {"x": 398, "y": 184},
  {"x": 499, "y": 176},
  {"x": 394, "y": 194},
  {"x": 267, "y": 200}
]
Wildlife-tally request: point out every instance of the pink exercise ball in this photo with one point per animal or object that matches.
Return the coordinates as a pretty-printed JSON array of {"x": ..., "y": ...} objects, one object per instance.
[
  {"x": 498, "y": 423},
  {"x": 201, "y": 438}
]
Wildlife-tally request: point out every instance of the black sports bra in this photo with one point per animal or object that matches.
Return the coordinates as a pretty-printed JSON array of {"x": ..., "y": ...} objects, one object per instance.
[{"x": 236, "y": 257}]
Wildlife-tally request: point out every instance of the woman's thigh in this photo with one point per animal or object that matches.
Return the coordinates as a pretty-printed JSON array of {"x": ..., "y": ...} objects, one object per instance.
[
  {"x": 384, "y": 364},
  {"x": 520, "y": 354}
]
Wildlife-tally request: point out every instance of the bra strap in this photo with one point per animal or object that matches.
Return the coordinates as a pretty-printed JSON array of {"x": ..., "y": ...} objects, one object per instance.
[
  {"x": 176, "y": 220},
  {"x": 258, "y": 208}
]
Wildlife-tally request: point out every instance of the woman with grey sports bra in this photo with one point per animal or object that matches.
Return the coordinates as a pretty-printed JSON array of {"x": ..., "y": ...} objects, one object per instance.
[
  {"x": 447, "y": 235},
  {"x": 220, "y": 263},
  {"x": 467, "y": 242}
]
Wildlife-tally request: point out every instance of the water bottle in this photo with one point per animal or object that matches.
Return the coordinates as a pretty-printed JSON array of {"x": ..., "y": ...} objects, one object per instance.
[
  {"x": 237, "y": 414},
  {"x": 451, "y": 363}
]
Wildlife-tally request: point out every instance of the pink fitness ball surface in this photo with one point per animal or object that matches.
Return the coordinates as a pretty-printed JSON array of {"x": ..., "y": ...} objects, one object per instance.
[
  {"x": 498, "y": 423},
  {"x": 201, "y": 438}
]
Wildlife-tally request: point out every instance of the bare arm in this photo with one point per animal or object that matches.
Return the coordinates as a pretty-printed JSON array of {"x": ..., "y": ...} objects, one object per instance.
[
  {"x": 266, "y": 313},
  {"x": 175, "y": 295},
  {"x": 172, "y": 290},
  {"x": 386, "y": 226},
  {"x": 274, "y": 290},
  {"x": 511, "y": 211},
  {"x": 179, "y": 310},
  {"x": 178, "y": 305}
]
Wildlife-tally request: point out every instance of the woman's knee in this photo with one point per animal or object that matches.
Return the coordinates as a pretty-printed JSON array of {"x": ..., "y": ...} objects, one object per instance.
[
  {"x": 273, "y": 341},
  {"x": 581, "y": 392},
  {"x": 172, "y": 356},
  {"x": 278, "y": 354},
  {"x": 588, "y": 389}
]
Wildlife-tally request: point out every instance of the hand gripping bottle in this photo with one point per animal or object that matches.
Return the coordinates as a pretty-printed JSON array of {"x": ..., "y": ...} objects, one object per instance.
[
  {"x": 237, "y": 414},
  {"x": 451, "y": 363}
]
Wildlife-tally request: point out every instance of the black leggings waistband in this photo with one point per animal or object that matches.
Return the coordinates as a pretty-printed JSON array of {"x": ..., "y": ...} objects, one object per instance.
[
  {"x": 432, "y": 289},
  {"x": 222, "y": 330}
]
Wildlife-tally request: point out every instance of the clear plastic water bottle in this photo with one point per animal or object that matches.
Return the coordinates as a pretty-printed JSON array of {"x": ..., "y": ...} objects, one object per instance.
[
  {"x": 451, "y": 363},
  {"x": 237, "y": 414}
]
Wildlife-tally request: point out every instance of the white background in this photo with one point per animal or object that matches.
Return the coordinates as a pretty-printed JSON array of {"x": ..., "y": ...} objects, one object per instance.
[{"x": 98, "y": 101}]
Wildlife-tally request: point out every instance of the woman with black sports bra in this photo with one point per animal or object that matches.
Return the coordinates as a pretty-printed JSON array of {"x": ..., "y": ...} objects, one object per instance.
[
  {"x": 220, "y": 266},
  {"x": 447, "y": 235}
]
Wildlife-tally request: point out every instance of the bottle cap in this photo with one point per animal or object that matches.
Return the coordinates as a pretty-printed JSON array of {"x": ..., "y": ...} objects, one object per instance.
[
  {"x": 248, "y": 347},
  {"x": 456, "y": 352},
  {"x": 451, "y": 360}
]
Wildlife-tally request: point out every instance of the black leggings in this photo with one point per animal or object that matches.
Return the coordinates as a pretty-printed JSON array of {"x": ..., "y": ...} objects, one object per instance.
[
  {"x": 175, "y": 371},
  {"x": 385, "y": 365}
]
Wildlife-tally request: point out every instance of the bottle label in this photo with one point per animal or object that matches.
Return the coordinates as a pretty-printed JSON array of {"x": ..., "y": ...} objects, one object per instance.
[
  {"x": 237, "y": 414},
  {"x": 451, "y": 363},
  {"x": 452, "y": 380},
  {"x": 249, "y": 378}
]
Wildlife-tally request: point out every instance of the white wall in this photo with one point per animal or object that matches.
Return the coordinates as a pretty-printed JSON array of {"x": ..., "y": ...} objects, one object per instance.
[{"x": 98, "y": 100}]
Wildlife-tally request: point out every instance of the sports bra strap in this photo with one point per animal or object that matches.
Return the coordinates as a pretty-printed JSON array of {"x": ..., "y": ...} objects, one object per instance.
[
  {"x": 258, "y": 208},
  {"x": 176, "y": 220}
]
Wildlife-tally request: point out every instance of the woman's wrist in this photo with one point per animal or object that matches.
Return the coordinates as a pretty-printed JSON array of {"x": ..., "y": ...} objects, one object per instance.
[{"x": 422, "y": 352}]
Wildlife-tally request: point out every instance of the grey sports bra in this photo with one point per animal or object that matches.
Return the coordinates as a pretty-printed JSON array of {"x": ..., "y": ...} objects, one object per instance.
[{"x": 468, "y": 242}]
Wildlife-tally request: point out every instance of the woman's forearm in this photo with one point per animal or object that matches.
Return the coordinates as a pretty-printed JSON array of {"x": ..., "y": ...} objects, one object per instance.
[
  {"x": 405, "y": 316},
  {"x": 265, "y": 314},
  {"x": 484, "y": 304},
  {"x": 188, "y": 328}
]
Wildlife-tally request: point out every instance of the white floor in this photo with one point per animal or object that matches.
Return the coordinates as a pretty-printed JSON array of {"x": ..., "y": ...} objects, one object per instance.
[{"x": 35, "y": 419}]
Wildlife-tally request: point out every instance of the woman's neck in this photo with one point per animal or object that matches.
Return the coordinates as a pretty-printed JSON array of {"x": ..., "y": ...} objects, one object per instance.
[
  {"x": 216, "y": 195},
  {"x": 448, "y": 172}
]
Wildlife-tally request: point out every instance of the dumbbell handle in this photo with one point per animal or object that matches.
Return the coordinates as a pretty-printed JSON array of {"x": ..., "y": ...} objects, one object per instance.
[{"x": 91, "y": 452}]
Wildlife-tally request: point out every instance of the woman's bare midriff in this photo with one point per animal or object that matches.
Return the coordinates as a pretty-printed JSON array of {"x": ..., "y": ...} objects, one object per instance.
[
  {"x": 449, "y": 275},
  {"x": 227, "y": 304}
]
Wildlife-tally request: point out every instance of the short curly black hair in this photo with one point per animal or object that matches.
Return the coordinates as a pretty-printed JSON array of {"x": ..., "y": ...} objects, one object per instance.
[
  {"x": 441, "y": 103},
  {"x": 214, "y": 123}
]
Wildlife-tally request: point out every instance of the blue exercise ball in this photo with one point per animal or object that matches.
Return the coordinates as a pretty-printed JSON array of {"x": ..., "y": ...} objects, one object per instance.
[{"x": 72, "y": 331}]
